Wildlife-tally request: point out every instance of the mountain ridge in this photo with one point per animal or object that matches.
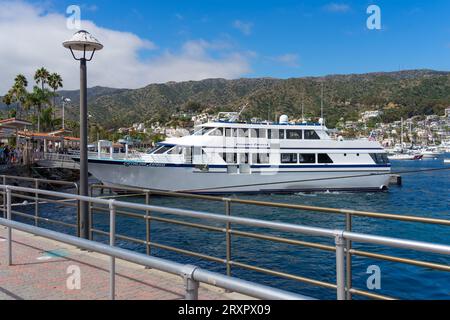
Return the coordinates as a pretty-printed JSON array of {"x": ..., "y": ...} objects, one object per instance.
[{"x": 398, "y": 93}]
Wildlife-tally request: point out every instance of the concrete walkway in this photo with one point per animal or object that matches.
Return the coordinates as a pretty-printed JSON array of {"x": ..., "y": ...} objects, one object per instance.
[{"x": 44, "y": 269}]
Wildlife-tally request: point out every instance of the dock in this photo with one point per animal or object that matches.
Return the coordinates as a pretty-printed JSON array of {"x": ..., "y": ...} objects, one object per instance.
[{"x": 42, "y": 269}]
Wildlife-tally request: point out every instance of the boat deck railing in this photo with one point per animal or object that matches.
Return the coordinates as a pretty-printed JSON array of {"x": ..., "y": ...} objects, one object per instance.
[{"x": 343, "y": 244}]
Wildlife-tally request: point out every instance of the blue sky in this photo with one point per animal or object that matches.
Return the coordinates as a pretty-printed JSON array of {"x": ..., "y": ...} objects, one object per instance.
[
  {"x": 326, "y": 36},
  {"x": 284, "y": 38}
]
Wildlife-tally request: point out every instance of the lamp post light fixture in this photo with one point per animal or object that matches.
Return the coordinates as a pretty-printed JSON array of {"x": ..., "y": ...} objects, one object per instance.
[
  {"x": 64, "y": 101},
  {"x": 83, "y": 42}
]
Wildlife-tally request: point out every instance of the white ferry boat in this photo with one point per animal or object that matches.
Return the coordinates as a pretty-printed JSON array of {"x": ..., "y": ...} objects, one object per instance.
[{"x": 227, "y": 156}]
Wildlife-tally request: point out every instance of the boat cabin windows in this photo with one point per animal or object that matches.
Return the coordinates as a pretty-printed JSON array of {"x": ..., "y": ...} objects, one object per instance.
[
  {"x": 217, "y": 132},
  {"x": 307, "y": 158},
  {"x": 260, "y": 158},
  {"x": 380, "y": 158},
  {"x": 176, "y": 150},
  {"x": 162, "y": 150},
  {"x": 200, "y": 131},
  {"x": 324, "y": 158},
  {"x": 311, "y": 135},
  {"x": 276, "y": 134},
  {"x": 230, "y": 158},
  {"x": 243, "y": 133},
  {"x": 289, "y": 158},
  {"x": 294, "y": 134}
]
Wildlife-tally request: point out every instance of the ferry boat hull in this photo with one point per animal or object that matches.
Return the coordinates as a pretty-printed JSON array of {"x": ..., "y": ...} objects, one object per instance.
[{"x": 187, "y": 178}]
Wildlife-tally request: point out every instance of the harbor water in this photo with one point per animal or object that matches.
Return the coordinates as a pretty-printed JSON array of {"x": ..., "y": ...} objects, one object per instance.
[{"x": 424, "y": 194}]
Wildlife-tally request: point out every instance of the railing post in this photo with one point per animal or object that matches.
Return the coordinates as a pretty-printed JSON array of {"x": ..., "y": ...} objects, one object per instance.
[
  {"x": 4, "y": 197},
  {"x": 112, "y": 238},
  {"x": 91, "y": 216},
  {"x": 36, "y": 203},
  {"x": 78, "y": 210},
  {"x": 9, "y": 232},
  {"x": 348, "y": 257},
  {"x": 228, "y": 237},
  {"x": 191, "y": 285},
  {"x": 147, "y": 224},
  {"x": 340, "y": 265}
]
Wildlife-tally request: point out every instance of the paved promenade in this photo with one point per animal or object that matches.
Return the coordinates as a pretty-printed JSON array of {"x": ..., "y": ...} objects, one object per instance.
[{"x": 45, "y": 269}]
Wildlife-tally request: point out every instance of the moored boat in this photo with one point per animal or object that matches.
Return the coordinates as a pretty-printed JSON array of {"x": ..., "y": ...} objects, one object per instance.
[{"x": 228, "y": 156}]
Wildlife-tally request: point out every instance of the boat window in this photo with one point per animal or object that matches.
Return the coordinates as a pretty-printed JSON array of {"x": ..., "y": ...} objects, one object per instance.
[
  {"x": 260, "y": 158},
  {"x": 218, "y": 132},
  {"x": 311, "y": 135},
  {"x": 263, "y": 158},
  {"x": 152, "y": 150},
  {"x": 254, "y": 133},
  {"x": 288, "y": 158},
  {"x": 228, "y": 132},
  {"x": 162, "y": 150},
  {"x": 262, "y": 133},
  {"x": 243, "y": 133},
  {"x": 307, "y": 158},
  {"x": 243, "y": 157},
  {"x": 176, "y": 150},
  {"x": 380, "y": 158},
  {"x": 294, "y": 134},
  {"x": 229, "y": 157},
  {"x": 324, "y": 158},
  {"x": 200, "y": 131},
  {"x": 276, "y": 134}
]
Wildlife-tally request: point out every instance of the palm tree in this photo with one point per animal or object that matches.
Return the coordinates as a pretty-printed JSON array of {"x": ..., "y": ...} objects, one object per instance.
[
  {"x": 19, "y": 91},
  {"x": 55, "y": 82},
  {"x": 37, "y": 99},
  {"x": 41, "y": 77}
]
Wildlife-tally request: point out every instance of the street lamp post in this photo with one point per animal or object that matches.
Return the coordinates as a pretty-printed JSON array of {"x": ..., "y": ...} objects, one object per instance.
[
  {"x": 84, "y": 42},
  {"x": 64, "y": 100}
]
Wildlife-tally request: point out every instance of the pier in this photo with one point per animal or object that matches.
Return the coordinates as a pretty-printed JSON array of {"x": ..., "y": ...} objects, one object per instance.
[{"x": 111, "y": 204}]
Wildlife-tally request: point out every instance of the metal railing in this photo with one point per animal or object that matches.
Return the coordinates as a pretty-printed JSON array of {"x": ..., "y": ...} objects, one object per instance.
[
  {"x": 229, "y": 262},
  {"x": 38, "y": 183},
  {"x": 342, "y": 238},
  {"x": 191, "y": 274}
]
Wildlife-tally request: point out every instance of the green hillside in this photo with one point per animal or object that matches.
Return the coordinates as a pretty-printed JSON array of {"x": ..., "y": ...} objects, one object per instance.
[{"x": 399, "y": 94}]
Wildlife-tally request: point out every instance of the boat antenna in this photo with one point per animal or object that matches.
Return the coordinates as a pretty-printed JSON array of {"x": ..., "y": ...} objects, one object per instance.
[
  {"x": 235, "y": 117},
  {"x": 303, "y": 113},
  {"x": 321, "y": 105}
]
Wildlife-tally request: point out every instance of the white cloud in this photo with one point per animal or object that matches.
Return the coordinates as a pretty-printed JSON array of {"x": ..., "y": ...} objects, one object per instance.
[
  {"x": 244, "y": 27},
  {"x": 337, "y": 7},
  {"x": 32, "y": 38},
  {"x": 288, "y": 59}
]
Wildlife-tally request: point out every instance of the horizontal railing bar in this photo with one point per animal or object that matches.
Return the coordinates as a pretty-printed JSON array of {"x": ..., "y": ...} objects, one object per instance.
[
  {"x": 431, "y": 265},
  {"x": 239, "y": 285},
  {"x": 163, "y": 246},
  {"x": 284, "y": 275},
  {"x": 30, "y": 216},
  {"x": 65, "y": 202},
  {"x": 398, "y": 243},
  {"x": 282, "y": 240},
  {"x": 122, "y": 196},
  {"x": 118, "y": 212},
  {"x": 62, "y": 182},
  {"x": 370, "y": 294},
  {"x": 408, "y": 218}
]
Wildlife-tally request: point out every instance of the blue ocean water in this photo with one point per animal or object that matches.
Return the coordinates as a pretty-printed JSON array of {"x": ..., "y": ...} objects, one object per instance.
[{"x": 422, "y": 194}]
